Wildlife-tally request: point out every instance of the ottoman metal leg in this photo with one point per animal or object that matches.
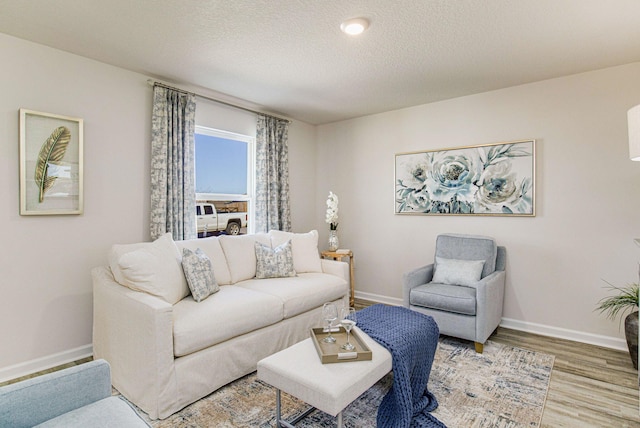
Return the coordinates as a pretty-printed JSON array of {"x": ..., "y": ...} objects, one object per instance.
[{"x": 280, "y": 423}]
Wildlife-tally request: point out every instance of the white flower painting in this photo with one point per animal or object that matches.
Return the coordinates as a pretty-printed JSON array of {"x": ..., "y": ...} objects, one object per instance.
[{"x": 492, "y": 179}]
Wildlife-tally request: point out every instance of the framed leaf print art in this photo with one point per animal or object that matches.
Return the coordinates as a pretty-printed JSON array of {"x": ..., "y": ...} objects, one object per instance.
[
  {"x": 489, "y": 179},
  {"x": 50, "y": 164}
]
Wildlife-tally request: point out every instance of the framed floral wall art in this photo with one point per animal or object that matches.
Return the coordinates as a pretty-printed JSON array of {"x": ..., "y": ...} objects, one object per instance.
[
  {"x": 489, "y": 179},
  {"x": 50, "y": 164}
]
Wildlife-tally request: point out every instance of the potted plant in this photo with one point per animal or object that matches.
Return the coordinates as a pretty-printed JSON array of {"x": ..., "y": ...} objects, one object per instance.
[{"x": 626, "y": 298}]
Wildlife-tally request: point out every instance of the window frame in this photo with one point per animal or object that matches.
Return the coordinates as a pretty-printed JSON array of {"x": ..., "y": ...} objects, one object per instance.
[{"x": 251, "y": 166}]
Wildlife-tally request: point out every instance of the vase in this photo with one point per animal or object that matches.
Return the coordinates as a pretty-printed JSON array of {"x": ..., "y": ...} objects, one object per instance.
[
  {"x": 334, "y": 243},
  {"x": 631, "y": 333}
]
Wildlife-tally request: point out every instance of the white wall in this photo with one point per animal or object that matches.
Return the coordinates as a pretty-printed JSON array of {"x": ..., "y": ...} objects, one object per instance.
[
  {"x": 588, "y": 195},
  {"x": 45, "y": 261},
  {"x": 302, "y": 177}
]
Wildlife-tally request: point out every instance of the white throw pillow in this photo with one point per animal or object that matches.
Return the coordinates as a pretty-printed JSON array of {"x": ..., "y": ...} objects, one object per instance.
[
  {"x": 304, "y": 246},
  {"x": 117, "y": 251},
  {"x": 274, "y": 262},
  {"x": 240, "y": 253},
  {"x": 199, "y": 273},
  {"x": 155, "y": 269},
  {"x": 457, "y": 272}
]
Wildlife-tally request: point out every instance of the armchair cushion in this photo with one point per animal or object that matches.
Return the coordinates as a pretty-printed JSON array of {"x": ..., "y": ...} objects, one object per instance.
[
  {"x": 445, "y": 297},
  {"x": 468, "y": 247},
  {"x": 457, "y": 272},
  {"x": 109, "y": 412}
]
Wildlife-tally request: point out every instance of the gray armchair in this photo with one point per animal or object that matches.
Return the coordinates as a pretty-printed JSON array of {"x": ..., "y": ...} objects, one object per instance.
[
  {"x": 78, "y": 396},
  {"x": 463, "y": 290}
]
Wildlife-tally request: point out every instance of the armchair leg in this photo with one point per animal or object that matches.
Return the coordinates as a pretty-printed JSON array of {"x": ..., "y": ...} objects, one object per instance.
[{"x": 479, "y": 347}]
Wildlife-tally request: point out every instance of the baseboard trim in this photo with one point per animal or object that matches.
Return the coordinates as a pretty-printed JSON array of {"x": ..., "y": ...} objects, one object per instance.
[
  {"x": 378, "y": 298},
  {"x": 563, "y": 333},
  {"x": 44, "y": 363},
  {"x": 529, "y": 327}
]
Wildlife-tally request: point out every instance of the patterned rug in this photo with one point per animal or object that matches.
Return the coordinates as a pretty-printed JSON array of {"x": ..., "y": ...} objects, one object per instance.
[{"x": 503, "y": 387}]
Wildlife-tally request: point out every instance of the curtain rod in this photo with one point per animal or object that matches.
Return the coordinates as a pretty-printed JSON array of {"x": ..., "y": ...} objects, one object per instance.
[{"x": 156, "y": 83}]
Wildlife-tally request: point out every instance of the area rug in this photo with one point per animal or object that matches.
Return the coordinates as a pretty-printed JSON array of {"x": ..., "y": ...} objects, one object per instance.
[{"x": 503, "y": 387}]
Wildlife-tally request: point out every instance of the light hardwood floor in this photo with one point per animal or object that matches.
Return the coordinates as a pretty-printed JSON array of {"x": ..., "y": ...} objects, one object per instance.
[{"x": 590, "y": 386}]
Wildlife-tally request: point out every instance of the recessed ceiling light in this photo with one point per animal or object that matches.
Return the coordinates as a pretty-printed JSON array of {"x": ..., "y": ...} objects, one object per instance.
[{"x": 355, "y": 26}]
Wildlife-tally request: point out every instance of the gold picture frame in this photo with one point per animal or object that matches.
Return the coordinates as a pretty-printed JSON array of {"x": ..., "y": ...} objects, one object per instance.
[
  {"x": 495, "y": 179},
  {"x": 51, "y": 164}
]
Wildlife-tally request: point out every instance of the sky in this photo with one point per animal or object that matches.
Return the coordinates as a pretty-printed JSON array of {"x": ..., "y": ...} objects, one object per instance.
[{"x": 221, "y": 165}]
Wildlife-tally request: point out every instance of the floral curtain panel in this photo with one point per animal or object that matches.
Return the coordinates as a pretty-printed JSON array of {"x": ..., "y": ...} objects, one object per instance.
[
  {"x": 172, "y": 164},
  {"x": 272, "y": 175}
]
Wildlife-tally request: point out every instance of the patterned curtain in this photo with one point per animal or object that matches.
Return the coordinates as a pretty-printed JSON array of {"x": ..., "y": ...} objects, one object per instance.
[
  {"x": 272, "y": 175},
  {"x": 172, "y": 164}
]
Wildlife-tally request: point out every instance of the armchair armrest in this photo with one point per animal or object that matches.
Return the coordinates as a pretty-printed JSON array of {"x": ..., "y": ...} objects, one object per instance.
[
  {"x": 36, "y": 400},
  {"x": 413, "y": 278},
  {"x": 490, "y": 298}
]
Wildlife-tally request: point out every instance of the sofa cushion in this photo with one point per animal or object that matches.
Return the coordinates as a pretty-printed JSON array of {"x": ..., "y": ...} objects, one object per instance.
[
  {"x": 457, "y": 272},
  {"x": 302, "y": 293},
  {"x": 117, "y": 251},
  {"x": 154, "y": 268},
  {"x": 199, "y": 274},
  {"x": 108, "y": 412},
  {"x": 445, "y": 297},
  {"x": 230, "y": 312},
  {"x": 240, "y": 253},
  {"x": 304, "y": 246},
  {"x": 211, "y": 247}
]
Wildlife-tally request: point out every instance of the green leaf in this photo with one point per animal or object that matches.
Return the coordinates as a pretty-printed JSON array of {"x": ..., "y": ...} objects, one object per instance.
[
  {"x": 625, "y": 299},
  {"x": 51, "y": 152}
]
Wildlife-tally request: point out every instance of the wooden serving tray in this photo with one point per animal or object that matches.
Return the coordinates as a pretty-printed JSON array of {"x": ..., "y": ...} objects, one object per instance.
[{"x": 331, "y": 352}]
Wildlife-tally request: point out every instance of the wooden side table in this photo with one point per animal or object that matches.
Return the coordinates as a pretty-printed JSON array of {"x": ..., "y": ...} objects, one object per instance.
[{"x": 339, "y": 255}]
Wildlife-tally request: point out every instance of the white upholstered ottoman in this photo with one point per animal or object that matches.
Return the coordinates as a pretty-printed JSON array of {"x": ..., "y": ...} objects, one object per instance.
[{"x": 298, "y": 371}]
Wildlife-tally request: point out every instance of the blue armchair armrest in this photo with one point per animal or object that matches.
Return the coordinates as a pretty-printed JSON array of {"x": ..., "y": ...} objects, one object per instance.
[
  {"x": 412, "y": 279},
  {"x": 490, "y": 298},
  {"x": 43, "y": 398}
]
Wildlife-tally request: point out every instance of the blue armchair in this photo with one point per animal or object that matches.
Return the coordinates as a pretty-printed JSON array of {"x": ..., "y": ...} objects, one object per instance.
[
  {"x": 463, "y": 290},
  {"x": 79, "y": 396}
]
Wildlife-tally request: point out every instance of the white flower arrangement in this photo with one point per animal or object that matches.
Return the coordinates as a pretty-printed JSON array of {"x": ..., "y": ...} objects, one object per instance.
[{"x": 332, "y": 211}]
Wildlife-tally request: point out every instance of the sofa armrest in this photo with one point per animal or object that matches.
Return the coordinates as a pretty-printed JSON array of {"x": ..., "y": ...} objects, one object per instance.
[
  {"x": 133, "y": 331},
  {"x": 36, "y": 400},
  {"x": 412, "y": 279},
  {"x": 337, "y": 268},
  {"x": 490, "y": 298}
]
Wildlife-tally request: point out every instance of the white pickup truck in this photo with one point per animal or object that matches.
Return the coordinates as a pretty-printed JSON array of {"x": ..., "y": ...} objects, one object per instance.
[{"x": 210, "y": 220}]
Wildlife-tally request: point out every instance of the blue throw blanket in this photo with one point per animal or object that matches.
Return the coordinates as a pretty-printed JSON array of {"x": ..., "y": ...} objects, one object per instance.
[{"x": 412, "y": 339}]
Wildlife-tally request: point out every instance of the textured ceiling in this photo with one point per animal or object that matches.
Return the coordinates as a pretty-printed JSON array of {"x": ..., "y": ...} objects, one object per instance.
[{"x": 289, "y": 56}]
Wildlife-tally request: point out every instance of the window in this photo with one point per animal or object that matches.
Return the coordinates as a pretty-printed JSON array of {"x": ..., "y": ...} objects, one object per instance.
[{"x": 224, "y": 181}]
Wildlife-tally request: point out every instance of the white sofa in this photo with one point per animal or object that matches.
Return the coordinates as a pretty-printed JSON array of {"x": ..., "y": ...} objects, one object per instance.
[{"x": 166, "y": 350}]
